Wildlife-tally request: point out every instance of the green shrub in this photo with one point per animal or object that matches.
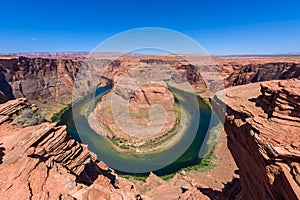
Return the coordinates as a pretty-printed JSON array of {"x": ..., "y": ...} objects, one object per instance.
[
  {"x": 56, "y": 117},
  {"x": 29, "y": 117}
]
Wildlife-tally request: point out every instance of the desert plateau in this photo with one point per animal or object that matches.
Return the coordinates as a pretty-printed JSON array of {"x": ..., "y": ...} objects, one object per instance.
[
  {"x": 149, "y": 100},
  {"x": 257, "y": 150}
]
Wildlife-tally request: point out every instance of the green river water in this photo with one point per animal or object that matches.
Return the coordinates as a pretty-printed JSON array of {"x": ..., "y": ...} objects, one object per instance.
[{"x": 188, "y": 151}]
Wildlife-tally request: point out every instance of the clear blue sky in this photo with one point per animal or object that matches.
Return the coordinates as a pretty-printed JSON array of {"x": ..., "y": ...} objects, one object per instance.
[{"x": 221, "y": 27}]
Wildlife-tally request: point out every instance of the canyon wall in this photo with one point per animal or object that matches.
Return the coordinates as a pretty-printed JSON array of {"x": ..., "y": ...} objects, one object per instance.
[
  {"x": 263, "y": 125},
  {"x": 37, "y": 78},
  {"x": 52, "y": 79},
  {"x": 250, "y": 73},
  {"x": 45, "y": 162}
]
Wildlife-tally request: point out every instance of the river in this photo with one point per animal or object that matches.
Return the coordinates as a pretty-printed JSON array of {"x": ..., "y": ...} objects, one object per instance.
[{"x": 185, "y": 152}]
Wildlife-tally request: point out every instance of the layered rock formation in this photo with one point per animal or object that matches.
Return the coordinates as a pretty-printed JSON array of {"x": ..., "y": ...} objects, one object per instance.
[
  {"x": 37, "y": 78},
  {"x": 10, "y": 108},
  {"x": 45, "y": 79},
  {"x": 149, "y": 115},
  {"x": 180, "y": 187},
  {"x": 44, "y": 162},
  {"x": 52, "y": 79},
  {"x": 251, "y": 73},
  {"x": 262, "y": 124},
  {"x": 263, "y": 136}
]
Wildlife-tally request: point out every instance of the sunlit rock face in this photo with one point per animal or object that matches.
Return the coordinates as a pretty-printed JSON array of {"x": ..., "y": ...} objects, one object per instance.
[
  {"x": 140, "y": 110},
  {"x": 45, "y": 162},
  {"x": 263, "y": 127}
]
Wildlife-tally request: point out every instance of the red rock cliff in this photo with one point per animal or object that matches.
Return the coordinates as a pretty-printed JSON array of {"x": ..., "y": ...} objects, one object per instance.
[
  {"x": 263, "y": 126},
  {"x": 37, "y": 78}
]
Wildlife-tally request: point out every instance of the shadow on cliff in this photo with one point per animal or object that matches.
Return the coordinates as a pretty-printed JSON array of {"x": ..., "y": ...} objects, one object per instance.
[
  {"x": 92, "y": 171},
  {"x": 2, "y": 149},
  {"x": 231, "y": 190},
  {"x": 267, "y": 108},
  {"x": 6, "y": 92}
]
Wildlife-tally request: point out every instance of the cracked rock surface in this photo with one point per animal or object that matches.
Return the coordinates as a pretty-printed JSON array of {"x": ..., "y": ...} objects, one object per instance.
[{"x": 262, "y": 125}]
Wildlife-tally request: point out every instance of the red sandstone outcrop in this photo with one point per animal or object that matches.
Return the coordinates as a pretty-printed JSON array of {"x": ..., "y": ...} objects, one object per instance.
[
  {"x": 263, "y": 127},
  {"x": 44, "y": 162},
  {"x": 251, "y": 73},
  {"x": 263, "y": 130},
  {"x": 182, "y": 186},
  {"x": 140, "y": 103},
  {"x": 10, "y": 108},
  {"x": 179, "y": 187},
  {"x": 53, "y": 78}
]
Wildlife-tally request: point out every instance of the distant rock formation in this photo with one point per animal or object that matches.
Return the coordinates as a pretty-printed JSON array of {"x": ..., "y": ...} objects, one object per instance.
[
  {"x": 37, "y": 78},
  {"x": 251, "y": 73},
  {"x": 263, "y": 129},
  {"x": 43, "y": 78}
]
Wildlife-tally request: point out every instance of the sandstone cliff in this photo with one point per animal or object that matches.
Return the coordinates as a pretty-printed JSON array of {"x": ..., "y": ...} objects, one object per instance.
[
  {"x": 52, "y": 79},
  {"x": 251, "y": 73},
  {"x": 263, "y": 129},
  {"x": 37, "y": 78},
  {"x": 44, "y": 162}
]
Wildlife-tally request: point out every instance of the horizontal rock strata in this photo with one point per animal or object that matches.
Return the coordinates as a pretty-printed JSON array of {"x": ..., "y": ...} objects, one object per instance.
[{"x": 263, "y": 129}]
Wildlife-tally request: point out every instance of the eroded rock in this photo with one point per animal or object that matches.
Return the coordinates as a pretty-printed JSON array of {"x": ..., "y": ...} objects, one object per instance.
[{"x": 263, "y": 137}]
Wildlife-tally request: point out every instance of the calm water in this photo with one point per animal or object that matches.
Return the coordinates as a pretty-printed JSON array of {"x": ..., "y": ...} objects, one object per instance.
[{"x": 186, "y": 151}]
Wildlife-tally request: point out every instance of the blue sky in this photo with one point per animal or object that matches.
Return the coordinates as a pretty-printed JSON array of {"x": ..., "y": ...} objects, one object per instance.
[{"x": 221, "y": 27}]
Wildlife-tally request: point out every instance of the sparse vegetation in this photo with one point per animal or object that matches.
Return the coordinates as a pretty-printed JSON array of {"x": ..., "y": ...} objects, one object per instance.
[
  {"x": 56, "y": 117},
  {"x": 135, "y": 177},
  {"x": 29, "y": 117},
  {"x": 205, "y": 164},
  {"x": 146, "y": 146}
]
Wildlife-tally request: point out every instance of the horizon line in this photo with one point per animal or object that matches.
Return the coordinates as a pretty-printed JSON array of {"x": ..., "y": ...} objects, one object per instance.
[{"x": 139, "y": 53}]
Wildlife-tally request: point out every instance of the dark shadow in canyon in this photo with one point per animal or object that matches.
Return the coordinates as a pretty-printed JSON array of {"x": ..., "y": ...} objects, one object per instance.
[
  {"x": 92, "y": 171},
  {"x": 6, "y": 92},
  {"x": 231, "y": 190},
  {"x": 2, "y": 149},
  {"x": 237, "y": 172}
]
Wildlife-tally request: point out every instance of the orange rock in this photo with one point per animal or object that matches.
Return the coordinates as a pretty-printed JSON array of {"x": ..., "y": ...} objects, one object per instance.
[{"x": 266, "y": 145}]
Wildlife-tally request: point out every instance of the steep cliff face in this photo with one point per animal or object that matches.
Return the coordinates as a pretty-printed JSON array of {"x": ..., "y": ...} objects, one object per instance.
[
  {"x": 53, "y": 78},
  {"x": 263, "y": 126},
  {"x": 37, "y": 78},
  {"x": 243, "y": 74}
]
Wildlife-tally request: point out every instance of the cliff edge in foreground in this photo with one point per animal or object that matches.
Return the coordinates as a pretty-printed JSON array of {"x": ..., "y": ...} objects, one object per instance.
[
  {"x": 263, "y": 125},
  {"x": 45, "y": 162}
]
